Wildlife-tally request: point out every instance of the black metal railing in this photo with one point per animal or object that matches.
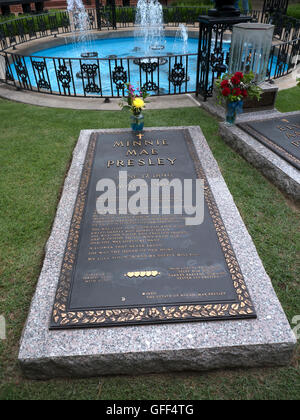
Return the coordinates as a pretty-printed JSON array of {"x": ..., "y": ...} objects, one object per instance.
[
  {"x": 284, "y": 57},
  {"x": 99, "y": 77},
  {"x": 285, "y": 53},
  {"x": 93, "y": 77}
]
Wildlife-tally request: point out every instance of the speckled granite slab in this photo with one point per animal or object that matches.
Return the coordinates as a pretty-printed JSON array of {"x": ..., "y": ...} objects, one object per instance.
[{"x": 265, "y": 341}]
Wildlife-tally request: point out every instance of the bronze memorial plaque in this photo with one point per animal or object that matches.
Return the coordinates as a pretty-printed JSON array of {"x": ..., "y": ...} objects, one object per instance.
[
  {"x": 282, "y": 135},
  {"x": 124, "y": 269}
]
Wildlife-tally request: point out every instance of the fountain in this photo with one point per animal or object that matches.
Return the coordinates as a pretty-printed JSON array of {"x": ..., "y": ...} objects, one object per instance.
[
  {"x": 181, "y": 40},
  {"x": 150, "y": 27},
  {"x": 80, "y": 30},
  {"x": 79, "y": 20}
]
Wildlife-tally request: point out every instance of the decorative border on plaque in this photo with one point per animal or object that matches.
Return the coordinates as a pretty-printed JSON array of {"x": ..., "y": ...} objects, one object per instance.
[
  {"x": 293, "y": 160},
  {"x": 62, "y": 318}
]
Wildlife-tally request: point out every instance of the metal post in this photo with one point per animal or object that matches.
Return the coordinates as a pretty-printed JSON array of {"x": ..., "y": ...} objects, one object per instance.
[
  {"x": 211, "y": 59},
  {"x": 204, "y": 58},
  {"x": 114, "y": 15},
  {"x": 98, "y": 14},
  {"x": 112, "y": 5}
]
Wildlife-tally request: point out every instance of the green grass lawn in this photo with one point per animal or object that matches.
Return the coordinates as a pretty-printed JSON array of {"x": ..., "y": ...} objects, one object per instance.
[
  {"x": 35, "y": 150},
  {"x": 294, "y": 11},
  {"x": 289, "y": 100}
]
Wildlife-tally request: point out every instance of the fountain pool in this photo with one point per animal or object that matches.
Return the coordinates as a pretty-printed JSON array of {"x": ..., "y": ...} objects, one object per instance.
[
  {"x": 118, "y": 47},
  {"x": 116, "y": 57},
  {"x": 115, "y": 61}
]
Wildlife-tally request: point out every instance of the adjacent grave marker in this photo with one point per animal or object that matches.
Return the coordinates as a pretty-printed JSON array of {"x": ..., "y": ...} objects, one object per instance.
[{"x": 282, "y": 135}]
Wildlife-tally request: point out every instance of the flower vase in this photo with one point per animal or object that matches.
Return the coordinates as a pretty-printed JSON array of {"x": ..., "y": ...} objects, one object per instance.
[
  {"x": 232, "y": 110},
  {"x": 137, "y": 122}
]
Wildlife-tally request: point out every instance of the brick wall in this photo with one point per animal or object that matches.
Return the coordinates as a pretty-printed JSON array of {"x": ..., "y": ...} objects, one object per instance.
[
  {"x": 62, "y": 4},
  {"x": 17, "y": 8}
]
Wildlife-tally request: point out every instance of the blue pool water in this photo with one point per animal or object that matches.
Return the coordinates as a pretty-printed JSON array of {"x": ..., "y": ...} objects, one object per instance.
[
  {"x": 57, "y": 72},
  {"x": 122, "y": 47}
]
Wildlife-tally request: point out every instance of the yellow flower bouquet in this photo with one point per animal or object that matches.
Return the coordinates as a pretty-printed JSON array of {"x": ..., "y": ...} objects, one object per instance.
[
  {"x": 135, "y": 102},
  {"x": 135, "y": 99}
]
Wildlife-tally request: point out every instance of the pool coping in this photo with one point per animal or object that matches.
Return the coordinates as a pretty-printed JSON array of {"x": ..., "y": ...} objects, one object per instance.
[
  {"x": 93, "y": 104},
  {"x": 31, "y": 46}
]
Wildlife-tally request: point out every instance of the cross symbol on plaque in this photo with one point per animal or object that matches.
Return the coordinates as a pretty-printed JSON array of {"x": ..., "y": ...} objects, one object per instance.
[{"x": 140, "y": 136}]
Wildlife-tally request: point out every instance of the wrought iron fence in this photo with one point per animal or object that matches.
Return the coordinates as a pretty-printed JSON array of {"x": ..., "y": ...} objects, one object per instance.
[
  {"x": 166, "y": 75},
  {"x": 286, "y": 29},
  {"x": 285, "y": 53},
  {"x": 283, "y": 59},
  {"x": 93, "y": 77}
]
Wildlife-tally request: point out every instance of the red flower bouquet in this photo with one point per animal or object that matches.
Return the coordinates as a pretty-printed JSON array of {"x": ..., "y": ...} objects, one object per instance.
[
  {"x": 236, "y": 87},
  {"x": 233, "y": 89}
]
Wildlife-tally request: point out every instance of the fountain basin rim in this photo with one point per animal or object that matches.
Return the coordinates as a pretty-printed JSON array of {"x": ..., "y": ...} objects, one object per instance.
[{"x": 33, "y": 46}]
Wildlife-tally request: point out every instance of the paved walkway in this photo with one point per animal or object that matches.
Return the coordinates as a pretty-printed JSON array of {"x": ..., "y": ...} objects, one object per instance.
[
  {"x": 56, "y": 101},
  {"x": 157, "y": 102}
]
